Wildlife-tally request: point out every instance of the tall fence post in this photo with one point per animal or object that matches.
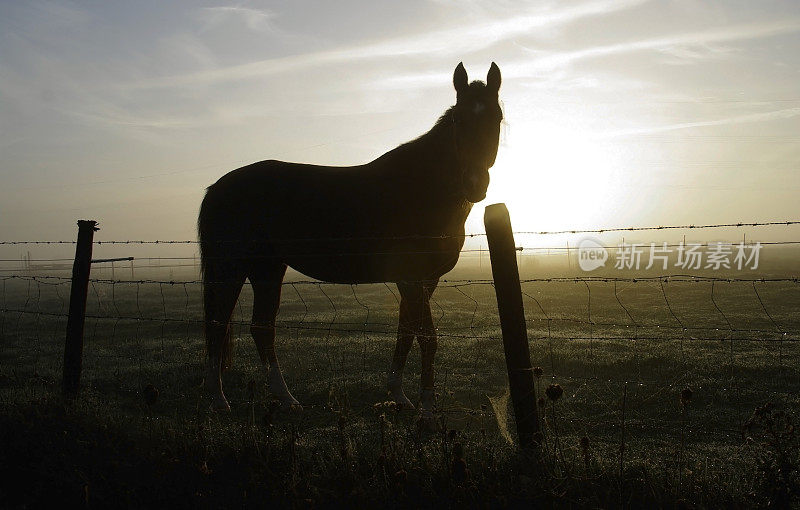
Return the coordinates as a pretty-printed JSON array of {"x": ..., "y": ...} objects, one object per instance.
[
  {"x": 502, "y": 254},
  {"x": 73, "y": 346}
]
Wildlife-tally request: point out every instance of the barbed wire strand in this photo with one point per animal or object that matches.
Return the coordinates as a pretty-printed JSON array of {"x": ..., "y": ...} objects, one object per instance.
[{"x": 151, "y": 313}]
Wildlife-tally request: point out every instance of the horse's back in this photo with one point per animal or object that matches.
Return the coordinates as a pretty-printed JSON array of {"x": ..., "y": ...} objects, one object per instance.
[
  {"x": 285, "y": 200},
  {"x": 287, "y": 182}
]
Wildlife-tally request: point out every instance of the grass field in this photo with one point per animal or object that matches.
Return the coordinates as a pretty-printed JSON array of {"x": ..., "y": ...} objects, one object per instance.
[{"x": 621, "y": 435}]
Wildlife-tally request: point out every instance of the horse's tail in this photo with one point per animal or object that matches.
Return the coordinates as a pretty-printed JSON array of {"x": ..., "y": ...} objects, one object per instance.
[{"x": 211, "y": 273}]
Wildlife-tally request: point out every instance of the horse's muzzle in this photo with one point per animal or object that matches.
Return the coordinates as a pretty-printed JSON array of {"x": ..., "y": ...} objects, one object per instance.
[{"x": 476, "y": 185}]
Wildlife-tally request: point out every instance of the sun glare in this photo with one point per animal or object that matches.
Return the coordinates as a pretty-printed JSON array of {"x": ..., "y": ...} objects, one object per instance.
[{"x": 554, "y": 178}]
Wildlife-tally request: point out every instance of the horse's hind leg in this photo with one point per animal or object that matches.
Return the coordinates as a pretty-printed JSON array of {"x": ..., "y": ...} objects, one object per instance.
[
  {"x": 219, "y": 299},
  {"x": 415, "y": 321},
  {"x": 266, "y": 300}
]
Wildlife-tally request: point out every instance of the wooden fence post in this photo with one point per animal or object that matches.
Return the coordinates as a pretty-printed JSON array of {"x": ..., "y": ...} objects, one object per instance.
[
  {"x": 73, "y": 346},
  {"x": 502, "y": 253}
]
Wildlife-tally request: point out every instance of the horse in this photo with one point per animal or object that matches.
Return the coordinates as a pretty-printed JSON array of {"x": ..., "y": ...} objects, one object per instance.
[{"x": 397, "y": 219}]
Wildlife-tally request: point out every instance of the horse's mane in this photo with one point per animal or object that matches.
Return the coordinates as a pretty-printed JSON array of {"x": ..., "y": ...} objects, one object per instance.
[
  {"x": 442, "y": 125},
  {"x": 443, "y": 122},
  {"x": 446, "y": 117}
]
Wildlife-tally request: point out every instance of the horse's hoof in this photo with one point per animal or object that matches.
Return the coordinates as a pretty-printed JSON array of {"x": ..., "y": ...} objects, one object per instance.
[
  {"x": 402, "y": 402},
  {"x": 289, "y": 403},
  {"x": 407, "y": 406},
  {"x": 291, "y": 408},
  {"x": 220, "y": 406}
]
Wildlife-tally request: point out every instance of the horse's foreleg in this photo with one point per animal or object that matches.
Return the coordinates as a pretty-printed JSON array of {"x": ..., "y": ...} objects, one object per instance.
[
  {"x": 427, "y": 344},
  {"x": 405, "y": 338}
]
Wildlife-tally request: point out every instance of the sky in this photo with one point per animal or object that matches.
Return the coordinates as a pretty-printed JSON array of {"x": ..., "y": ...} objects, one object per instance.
[{"x": 618, "y": 112}]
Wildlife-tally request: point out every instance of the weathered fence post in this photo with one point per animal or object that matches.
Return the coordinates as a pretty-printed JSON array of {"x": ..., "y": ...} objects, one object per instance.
[
  {"x": 73, "y": 347},
  {"x": 502, "y": 253}
]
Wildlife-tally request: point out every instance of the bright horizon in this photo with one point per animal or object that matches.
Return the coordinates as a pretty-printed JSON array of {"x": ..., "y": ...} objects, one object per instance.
[{"x": 618, "y": 112}]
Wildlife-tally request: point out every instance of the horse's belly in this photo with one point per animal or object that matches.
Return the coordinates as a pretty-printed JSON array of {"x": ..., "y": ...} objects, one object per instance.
[{"x": 376, "y": 267}]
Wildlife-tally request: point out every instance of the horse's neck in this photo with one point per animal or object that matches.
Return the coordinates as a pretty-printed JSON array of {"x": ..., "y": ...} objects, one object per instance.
[
  {"x": 426, "y": 172},
  {"x": 426, "y": 163}
]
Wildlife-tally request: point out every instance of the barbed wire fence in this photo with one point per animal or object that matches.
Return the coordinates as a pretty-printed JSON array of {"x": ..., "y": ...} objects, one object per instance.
[{"x": 622, "y": 345}]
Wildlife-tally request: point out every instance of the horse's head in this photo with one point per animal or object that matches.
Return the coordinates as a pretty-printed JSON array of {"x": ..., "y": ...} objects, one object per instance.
[{"x": 476, "y": 121}]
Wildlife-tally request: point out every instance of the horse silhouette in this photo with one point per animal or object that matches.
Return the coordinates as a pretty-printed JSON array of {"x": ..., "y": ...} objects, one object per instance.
[{"x": 399, "y": 218}]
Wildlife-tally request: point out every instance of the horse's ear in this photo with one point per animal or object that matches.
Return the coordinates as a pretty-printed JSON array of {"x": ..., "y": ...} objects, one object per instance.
[
  {"x": 493, "y": 78},
  {"x": 460, "y": 78}
]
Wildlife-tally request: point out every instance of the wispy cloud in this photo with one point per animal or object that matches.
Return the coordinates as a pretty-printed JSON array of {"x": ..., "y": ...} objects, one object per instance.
[
  {"x": 785, "y": 113},
  {"x": 683, "y": 54},
  {"x": 668, "y": 43},
  {"x": 54, "y": 14},
  {"x": 462, "y": 40},
  {"x": 680, "y": 48},
  {"x": 254, "y": 19}
]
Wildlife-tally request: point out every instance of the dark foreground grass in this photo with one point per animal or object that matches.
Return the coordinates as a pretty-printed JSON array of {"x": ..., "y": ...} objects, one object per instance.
[
  {"x": 73, "y": 455},
  {"x": 624, "y": 433},
  {"x": 69, "y": 455}
]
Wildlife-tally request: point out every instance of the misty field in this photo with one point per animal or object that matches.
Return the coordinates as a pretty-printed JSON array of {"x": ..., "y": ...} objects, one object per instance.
[{"x": 624, "y": 432}]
